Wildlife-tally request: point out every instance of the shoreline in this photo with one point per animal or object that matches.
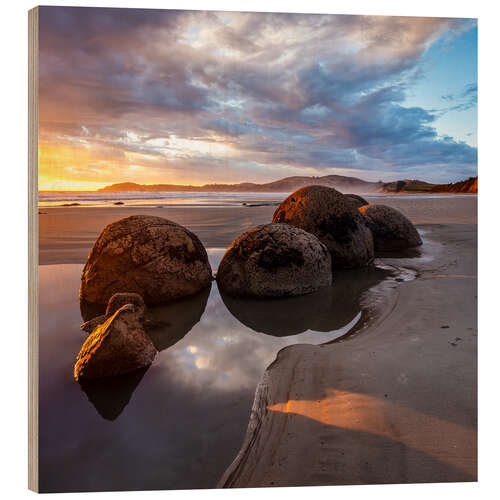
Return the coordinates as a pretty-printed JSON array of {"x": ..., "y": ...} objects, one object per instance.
[
  {"x": 66, "y": 234},
  {"x": 393, "y": 403}
]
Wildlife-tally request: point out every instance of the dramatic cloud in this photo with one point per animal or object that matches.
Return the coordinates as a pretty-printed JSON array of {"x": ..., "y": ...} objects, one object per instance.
[{"x": 186, "y": 96}]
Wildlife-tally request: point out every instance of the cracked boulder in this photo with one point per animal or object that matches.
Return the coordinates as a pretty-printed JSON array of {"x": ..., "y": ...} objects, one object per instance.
[
  {"x": 274, "y": 260},
  {"x": 334, "y": 220},
  {"x": 392, "y": 231},
  {"x": 154, "y": 257},
  {"x": 115, "y": 302},
  {"x": 119, "y": 345}
]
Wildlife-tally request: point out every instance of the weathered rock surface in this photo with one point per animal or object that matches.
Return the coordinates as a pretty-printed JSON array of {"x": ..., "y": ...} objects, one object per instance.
[
  {"x": 358, "y": 201},
  {"x": 274, "y": 260},
  {"x": 151, "y": 256},
  {"x": 115, "y": 302},
  {"x": 119, "y": 345},
  {"x": 331, "y": 217},
  {"x": 390, "y": 228}
]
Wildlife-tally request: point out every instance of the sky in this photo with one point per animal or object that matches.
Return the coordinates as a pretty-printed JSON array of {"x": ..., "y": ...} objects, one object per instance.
[{"x": 193, "y": 97}]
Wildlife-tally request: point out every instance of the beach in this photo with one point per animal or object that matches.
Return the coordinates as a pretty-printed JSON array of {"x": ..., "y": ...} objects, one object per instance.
[
  {"x": 394, "y": 401},
  {"x": 394, "y": 404},
  {"x": 66, "y": 234}
]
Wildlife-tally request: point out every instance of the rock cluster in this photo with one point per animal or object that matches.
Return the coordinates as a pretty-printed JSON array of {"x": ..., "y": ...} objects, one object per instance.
[
  {"x": 143, "y": 260},
  {"x": 334, "y": 220},
  {"x": 274, "y": 260},
  {"x": 135, "y": 261}
]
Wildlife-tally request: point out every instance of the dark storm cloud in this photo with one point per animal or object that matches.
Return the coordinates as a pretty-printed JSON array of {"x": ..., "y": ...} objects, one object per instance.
[{"x": 279, "y": 90}]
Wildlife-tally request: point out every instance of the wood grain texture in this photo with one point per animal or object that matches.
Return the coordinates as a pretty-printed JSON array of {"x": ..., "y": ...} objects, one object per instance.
[{"x": 33, "y": 249}]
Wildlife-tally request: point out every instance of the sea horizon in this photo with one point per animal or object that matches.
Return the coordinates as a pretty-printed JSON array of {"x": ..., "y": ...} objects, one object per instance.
[{"x": 182, "y": 198}]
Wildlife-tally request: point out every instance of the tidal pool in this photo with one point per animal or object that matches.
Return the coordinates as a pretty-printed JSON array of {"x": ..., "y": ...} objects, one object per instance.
[{"x": 179, "y": 423}]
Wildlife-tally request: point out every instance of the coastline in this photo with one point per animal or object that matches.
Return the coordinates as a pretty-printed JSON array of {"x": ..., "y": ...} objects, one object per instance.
[
  {"x": 394, "y": 404},
  {"x": 67, "y": 234}
]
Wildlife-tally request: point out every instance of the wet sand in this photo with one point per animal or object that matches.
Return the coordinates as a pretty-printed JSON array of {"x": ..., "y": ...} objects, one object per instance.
[
  {"x": 66, "y": 234},
  {"x": 396, "y": 403}
]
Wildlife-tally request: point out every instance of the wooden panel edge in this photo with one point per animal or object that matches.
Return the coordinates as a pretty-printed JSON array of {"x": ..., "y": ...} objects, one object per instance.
[{"x": 33, "y": 479}]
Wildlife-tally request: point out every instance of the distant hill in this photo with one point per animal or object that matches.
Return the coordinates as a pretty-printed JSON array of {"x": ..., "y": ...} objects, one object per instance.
[
  {"x": 407, "y": 186},
  {"x": 289, "y": 184},
  {"x": 467, "y": 186}
]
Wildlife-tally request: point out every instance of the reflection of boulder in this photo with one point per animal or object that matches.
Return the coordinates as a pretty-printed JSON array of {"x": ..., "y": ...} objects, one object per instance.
[
  {"x": 120, "y": 345},
  {"x": 91, "y": 310},
  {"x": 169, "y": 323},
  {"x": 334, "y": 220},
  {"x": 110, "y": 395},
  {"x": 275, "y": 260},
  {"x": 328, "y": 309},
  {"x": 152, "y": 256}
]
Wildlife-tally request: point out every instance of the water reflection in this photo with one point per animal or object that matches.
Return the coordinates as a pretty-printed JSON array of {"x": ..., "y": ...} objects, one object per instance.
[
  {"x": 166, "y": 325},
  {"x": 405, "y": 253},
  {"x": 171, "y": 322},
  {"x": 179, "y": 424},
  {"x": 110, "y": 395},
  {"x": 327, "y": 310},
  {"x": 90, "y": 310}
]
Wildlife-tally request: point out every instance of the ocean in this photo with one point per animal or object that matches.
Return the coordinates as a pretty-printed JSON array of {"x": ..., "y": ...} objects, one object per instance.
[{"x": 103, "y": 199}]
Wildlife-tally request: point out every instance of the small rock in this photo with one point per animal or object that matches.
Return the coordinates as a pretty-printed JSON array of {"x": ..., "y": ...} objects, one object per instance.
[
  {"x": 90, "y": 325},
  {"x": 115, "y": 302},
  {"x": 118, "y": 203},
  {"x": 120, "y": 299},
  {"x": 274, "y": 260},
  {"x": 119, "y": 345}
]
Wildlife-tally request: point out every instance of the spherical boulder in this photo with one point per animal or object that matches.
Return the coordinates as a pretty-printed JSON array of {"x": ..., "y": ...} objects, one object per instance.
[
  {"x": 357, "y": 200},
  {"x": 274, "y": 260},
  {"x": 151, "y": 256},
  {"x": 333, "y": 219},
  {"x": 391, "y": 230}
]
